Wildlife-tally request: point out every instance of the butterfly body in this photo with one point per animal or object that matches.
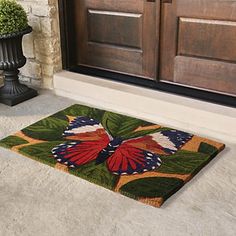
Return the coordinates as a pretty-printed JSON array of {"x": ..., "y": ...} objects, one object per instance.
[
  {"x": 109, "y": 150},
  {"x": 87, "y": 141}
]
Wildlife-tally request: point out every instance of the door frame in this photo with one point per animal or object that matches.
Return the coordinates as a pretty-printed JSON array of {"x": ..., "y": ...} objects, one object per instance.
[{"x": 67, "y": 32}]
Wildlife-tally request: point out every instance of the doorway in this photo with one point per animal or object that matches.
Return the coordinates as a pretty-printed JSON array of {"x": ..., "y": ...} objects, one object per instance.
[{"x": 150, "y": 43}]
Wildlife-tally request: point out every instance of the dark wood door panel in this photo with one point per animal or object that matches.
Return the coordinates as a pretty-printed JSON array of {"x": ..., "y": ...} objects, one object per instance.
[
  {"x": 113, "y": 58},
  {"x": 206, "y": 9},
  {"x": 100, "y": 31},
  {"x": 213, "y": 39},
  {"x": 117, "y": 35},
  {"x": 207, "y": 74},
  {"x": 198, "y": 46}
]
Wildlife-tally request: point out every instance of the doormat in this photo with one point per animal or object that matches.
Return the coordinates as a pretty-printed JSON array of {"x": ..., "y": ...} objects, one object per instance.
[{"x": 136, "y": 158}]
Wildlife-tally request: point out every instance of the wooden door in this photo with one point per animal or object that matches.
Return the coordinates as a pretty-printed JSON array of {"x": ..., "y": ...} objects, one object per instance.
[
  {"x": 198, "y": 44},
  {"x": 119, "y": 36}
]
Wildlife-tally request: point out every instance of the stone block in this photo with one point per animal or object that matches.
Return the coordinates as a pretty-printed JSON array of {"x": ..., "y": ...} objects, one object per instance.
[
  {"x": 32, "y": 69},
  {"x": 39, "y": 10},
  {"x": 28, "y": 46}
]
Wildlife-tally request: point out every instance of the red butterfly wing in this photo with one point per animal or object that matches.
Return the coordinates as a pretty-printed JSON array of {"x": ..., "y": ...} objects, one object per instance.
[
  {"x": 128, "y": 160},
  {"x": 75, "y": 154},
  {"x": 87, "y": 139},
  {"x": 143, "y": 154}
]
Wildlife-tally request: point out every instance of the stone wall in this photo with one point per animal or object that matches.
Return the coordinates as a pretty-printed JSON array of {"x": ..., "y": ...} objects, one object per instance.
[{"x": 42, "y": 47}]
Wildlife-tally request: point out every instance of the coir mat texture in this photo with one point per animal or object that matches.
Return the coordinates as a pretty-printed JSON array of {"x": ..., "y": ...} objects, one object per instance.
[{"x": 136, "y": 158}]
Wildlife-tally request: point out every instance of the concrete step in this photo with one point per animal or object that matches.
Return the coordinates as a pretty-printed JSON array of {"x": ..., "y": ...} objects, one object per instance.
[{"x": 195, "y": 116}]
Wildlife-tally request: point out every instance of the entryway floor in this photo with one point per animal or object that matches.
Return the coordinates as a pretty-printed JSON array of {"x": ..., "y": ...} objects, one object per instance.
[{"x": 36, "y": 199}]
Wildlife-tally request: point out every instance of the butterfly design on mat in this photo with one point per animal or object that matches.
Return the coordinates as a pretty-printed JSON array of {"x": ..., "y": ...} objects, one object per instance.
[{"x": 88, "y": 140}]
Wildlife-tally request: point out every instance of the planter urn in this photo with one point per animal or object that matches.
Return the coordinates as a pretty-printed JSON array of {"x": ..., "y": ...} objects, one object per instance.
[{"x": 11, "y": 59}]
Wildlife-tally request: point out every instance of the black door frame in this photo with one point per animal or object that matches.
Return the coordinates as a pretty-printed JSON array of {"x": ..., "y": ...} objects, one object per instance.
[{"x": 68, "y": 45}]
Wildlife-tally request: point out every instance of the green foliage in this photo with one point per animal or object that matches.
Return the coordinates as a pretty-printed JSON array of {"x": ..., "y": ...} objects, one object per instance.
[
  {"x": 41, "y": 152},
  {"x": 208, "y": 149},
  {"x": 13, "y": 17},
  {"x": 80, "y": 110},
  {"x": 152, "y": 187},
  {"x": 49, "y": 129},
  {"x": 12, "y": 141},
  {"x": 183, "y": 162},
  {"x": 98, "y": 174},
  {"x": 123, "y": 126}
]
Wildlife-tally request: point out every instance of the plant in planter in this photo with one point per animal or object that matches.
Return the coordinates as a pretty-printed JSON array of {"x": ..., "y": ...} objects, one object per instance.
[{"x": 13, "y": 26}]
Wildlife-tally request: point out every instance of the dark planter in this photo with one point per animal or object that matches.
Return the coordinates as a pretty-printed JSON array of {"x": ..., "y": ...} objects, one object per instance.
[{"x": 11, "y": 59}]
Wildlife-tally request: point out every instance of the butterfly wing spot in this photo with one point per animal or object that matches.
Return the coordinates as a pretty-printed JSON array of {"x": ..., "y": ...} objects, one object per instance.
[
  {"x": 124, "y": 173},
  {"x": 149, "y": 154},
  {"x": 73, "y": 143},
  {"x": 115, "y": 146}
]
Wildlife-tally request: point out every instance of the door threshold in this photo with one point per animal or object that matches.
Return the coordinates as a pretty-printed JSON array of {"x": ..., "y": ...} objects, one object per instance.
[{"x": 195, "y": 116}]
